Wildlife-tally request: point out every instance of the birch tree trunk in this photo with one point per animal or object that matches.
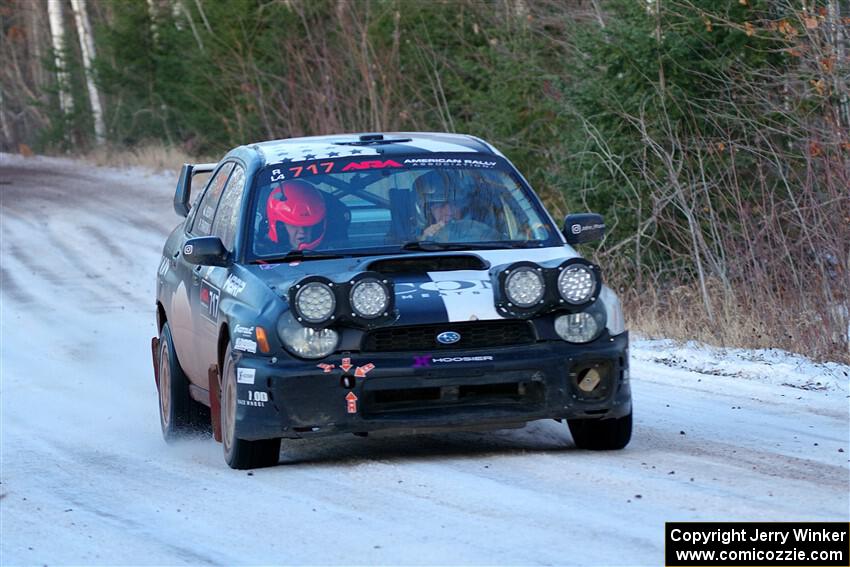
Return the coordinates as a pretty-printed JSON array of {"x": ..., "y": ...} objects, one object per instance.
[
  {"x": 840, "y": 41},
  {"x": 185, "y": 9},
  {"x": 35, "y": 37},
  {"x": 152, "y": 13},
  {"x": 57, "y": 34},
  {"x": 87, "y": 49},
  {"x": 6, "y": 140}
]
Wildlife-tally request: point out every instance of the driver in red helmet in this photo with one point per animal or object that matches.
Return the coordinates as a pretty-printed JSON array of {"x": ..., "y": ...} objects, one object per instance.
[{"x": 301, "y": 209}]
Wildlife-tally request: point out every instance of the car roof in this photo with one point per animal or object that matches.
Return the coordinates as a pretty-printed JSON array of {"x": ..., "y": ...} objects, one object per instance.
[{"x": 368, "y": 144}]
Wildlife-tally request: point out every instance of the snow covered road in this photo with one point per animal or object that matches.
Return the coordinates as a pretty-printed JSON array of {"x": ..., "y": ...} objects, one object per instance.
[{"x": 86, "y": 477}]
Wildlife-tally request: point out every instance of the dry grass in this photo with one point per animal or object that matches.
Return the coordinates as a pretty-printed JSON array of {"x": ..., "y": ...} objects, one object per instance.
[{"x": 739, "y": 321}]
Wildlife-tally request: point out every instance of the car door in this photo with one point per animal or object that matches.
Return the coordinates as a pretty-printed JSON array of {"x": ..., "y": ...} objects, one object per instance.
[
  {"x": 214, "y": 279},
  {"x": 185, "y": 310}
]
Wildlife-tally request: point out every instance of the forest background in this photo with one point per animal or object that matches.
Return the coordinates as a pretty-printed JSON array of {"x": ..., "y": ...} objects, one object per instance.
[{"x": 714, "y": 135}]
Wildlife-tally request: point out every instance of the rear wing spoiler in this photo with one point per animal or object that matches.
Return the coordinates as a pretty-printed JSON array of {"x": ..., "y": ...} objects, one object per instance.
[{"x": 184, "y": 185}]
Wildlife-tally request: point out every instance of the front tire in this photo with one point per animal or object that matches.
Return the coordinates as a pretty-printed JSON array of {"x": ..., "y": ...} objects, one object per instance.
[
  {"x": 601, "y": 434},
  {"x": 239, "y": 453},
  {"x": 179, "y": 414}
]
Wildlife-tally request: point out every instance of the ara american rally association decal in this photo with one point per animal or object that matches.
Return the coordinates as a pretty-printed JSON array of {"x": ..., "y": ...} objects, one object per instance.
[{"x": 324, "y": 166}]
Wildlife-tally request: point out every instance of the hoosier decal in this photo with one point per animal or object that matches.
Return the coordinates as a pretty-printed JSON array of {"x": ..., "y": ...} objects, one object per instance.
[
  {"x": 425, "y": 361},
  {"x": 449, "y": 359}
]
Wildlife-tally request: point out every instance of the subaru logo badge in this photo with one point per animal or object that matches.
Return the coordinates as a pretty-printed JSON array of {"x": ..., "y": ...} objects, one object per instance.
[{"x": 448, "y": 338}]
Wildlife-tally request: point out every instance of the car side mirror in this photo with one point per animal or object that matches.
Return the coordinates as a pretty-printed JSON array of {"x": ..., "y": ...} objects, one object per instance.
[
  {"x": 583, "y": 227},
  {"x": 184, "y": 185},
  {"x": 206, "y": 251}
]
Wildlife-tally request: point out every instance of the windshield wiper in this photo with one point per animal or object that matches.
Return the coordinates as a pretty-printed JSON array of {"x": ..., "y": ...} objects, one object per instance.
[{"x": 298, "y": 255}]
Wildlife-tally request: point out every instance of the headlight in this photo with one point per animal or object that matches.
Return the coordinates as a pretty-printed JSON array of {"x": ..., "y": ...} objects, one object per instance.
[
  {"x": 577, "y": 327},
  {"x": 315, "y": 302},
  {"x": 577, "y": 283},
  {"x": 304, "y": 341},
  {"x": 616, "y": 323},
  {"x": 524, "y": 286},
  {"x": 369, "y": 298}
]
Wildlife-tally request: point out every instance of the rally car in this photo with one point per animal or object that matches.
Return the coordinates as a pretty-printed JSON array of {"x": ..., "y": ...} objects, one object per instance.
[{"x": 381, "y": 281}]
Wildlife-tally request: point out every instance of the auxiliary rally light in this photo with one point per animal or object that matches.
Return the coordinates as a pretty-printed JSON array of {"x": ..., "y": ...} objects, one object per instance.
[
  {"x": 366, "y": 299},
  {"x": 369, "y": 298},
  {"x": 314, "y": 302},
  {"x": 527, "y": 289}
]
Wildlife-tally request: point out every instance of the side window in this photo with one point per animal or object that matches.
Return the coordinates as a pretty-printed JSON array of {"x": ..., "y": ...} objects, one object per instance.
[
  {"x": 227, "y": 216},
  {"x": 206, "y": 208}
]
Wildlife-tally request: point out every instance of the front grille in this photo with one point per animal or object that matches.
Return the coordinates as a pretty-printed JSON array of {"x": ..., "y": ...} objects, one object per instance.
[
  {"x": 527, "y": 394},
  {"x": 473, "y": 334}
]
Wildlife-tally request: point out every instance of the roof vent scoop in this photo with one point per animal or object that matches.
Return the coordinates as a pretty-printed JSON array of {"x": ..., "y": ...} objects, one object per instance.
[{"x": 373, "y": 140}]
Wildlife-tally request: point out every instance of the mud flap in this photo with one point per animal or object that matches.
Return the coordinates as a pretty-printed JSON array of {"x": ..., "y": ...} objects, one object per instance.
[
  {"x": 155, "y": 353},
  {"x": 215, "y": 401}
]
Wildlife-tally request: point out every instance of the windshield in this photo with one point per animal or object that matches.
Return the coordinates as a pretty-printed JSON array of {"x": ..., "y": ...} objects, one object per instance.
[{"x": 373, "y": 205}]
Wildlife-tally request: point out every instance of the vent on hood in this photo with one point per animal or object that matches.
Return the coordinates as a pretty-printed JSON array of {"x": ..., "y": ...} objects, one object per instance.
[{"x": 430, "y": 263}]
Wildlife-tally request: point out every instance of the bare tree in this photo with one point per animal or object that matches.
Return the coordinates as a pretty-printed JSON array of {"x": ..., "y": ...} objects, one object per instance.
[
  {"x": 87, "y": 50},
  {"x": 4, "y": 122},
  {"x": 57, "y": 33}
]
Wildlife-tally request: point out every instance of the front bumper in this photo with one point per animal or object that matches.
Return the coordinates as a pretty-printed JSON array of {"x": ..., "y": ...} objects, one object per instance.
[{"x": 286, "y": 397}]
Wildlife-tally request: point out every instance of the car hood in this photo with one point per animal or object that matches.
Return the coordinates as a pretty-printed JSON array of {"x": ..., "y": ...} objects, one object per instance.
[{"x": 426, "y": 295}]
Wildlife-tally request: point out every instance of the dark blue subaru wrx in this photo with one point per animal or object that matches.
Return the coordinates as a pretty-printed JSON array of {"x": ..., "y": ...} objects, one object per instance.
[{"x": 383, "y": 281}]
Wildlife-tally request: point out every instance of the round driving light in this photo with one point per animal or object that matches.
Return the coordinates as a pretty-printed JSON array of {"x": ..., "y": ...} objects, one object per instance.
[
  {"x": 577, "y": 327},
  {"x": 524, "y": 287},
  {"x": 315, "y": 302},
  {"x": 576, "y": 283},
  {"x": 369, "y": 298}
]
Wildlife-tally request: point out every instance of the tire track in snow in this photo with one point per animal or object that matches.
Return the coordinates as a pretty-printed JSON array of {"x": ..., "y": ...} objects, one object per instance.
[{"x": 13, "y": 288}]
